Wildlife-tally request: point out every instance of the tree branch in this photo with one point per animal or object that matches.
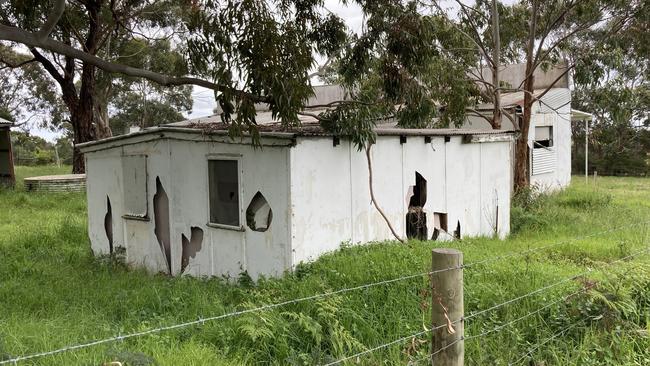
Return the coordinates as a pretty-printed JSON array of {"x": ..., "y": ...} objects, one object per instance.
[
  {"x": 374, "y": 200},
  {"x": 47, "y": 65},
  {"x": 51, "y": 21},
  {"x": 31, "y": 40},
  {"x": 10, "y": 65}
]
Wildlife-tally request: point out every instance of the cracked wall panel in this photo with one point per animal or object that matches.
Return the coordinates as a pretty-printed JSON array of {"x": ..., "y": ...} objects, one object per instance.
[
  {"x": 108, "y": 224},
  {"x": 191, "y": 247},
  {"x": 416, "y": 218},
  {"x": 161, "y": 222}
]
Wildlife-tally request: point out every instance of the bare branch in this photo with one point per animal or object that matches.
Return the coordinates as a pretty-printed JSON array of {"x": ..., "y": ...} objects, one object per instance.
[
  {"x": 10, "y": 65},
  {"x": 374, "y": 200}
]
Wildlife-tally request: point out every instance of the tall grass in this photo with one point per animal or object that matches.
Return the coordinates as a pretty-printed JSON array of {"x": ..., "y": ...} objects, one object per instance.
[{"x": 53, "y": 292}]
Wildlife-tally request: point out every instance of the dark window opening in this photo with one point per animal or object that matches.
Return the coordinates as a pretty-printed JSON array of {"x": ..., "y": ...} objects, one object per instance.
[
  {"x": 543, "y": 137},
  {"x": 224, "y": 192},
  {"x": 259, "y": 214},
  {"x": 134, "y": 175},
  {"x": 416, "y": 218}
]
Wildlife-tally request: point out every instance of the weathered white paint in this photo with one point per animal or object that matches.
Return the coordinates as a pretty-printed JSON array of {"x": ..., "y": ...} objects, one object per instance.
[
  {"x": 331, "y": 200},
  {"x": 318, "y": 192},
  {"x": 553, "y": 168}
]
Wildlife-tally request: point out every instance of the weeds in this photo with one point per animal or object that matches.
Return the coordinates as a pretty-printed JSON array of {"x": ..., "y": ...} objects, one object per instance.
[{"x": 54, "y": 293}]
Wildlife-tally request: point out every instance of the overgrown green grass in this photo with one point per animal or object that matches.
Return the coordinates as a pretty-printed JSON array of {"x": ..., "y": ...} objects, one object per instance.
[{"x": 54, "y": 293}]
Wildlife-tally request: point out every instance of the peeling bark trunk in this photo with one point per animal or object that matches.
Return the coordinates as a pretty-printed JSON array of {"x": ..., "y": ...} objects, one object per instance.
[
  {"x": 83, "y": 116},
  {"x": 522, "y": 173}
]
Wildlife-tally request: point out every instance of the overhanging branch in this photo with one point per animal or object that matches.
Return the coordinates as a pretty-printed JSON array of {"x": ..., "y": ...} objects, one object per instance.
[{"x": 32, "y": 40}]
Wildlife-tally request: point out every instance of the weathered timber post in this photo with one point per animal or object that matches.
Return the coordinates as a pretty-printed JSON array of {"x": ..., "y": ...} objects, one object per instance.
[{"x": 447, "y": 346}]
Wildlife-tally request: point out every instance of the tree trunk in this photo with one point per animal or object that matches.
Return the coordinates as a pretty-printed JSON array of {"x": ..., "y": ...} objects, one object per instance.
[
  {"x": 522, "y": 172},
  {"x": 522, "y": 151},
  {"x": 83, "y": 117},
  {"x": 496, "y": 64},
  {"x": 84, "y": 131}
]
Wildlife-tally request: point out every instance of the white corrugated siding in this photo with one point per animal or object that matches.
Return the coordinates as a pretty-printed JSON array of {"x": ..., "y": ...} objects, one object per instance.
[
  {"x": 557, "y": 99},
  {"x": 543, "y": 161}
]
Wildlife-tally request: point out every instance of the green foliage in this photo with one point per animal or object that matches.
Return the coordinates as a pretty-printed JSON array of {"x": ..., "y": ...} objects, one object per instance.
[
  {"x": 33, "y": 150},
  {"x": 55, "y": 293},
  {"x": 585, "y": 200},
  {"x": 618, "y": 142}
]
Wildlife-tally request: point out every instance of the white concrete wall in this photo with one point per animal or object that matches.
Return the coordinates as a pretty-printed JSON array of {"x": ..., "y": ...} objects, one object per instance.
[
  {"x": 225, "y": 251},
  {"x": 104, "y": 178},
  {"x": 182, "y": 167},
  {"x": 330, "y": 199}
]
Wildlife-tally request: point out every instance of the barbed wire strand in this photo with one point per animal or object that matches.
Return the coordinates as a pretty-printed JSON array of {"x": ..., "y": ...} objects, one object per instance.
[
  {"x": 547, "y": 287},
  {"x": 399, "y": 340},
  {"x": 219, "y": 317},
  {"x": 339, "y": 361},
  {"x": 201, "y": 321},
  {"x": 532, "y": 250},
  {"x": 430, "y": 355},
  {"x": 536, "y": 311},
  {"x": 538, "y": 345},
  {"x": 563, "y": 298}
]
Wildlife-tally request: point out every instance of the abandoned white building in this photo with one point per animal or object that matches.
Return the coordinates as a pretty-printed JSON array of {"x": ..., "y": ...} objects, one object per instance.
[
  {"x": 185, "y": 199},
  {"x": 549, "y": 136}
]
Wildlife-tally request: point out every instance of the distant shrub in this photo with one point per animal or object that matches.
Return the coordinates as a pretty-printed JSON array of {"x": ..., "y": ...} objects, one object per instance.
[{"x": 585, "y": 200}]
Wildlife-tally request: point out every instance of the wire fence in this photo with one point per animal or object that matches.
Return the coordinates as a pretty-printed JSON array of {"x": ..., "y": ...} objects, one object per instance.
[
  {"x": 201, "y": 321},
  {"x": 502, "y": 326}
]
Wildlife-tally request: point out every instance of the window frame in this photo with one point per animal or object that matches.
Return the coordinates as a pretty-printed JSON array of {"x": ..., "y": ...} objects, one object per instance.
[
  {"x": 240, "y": 191},
  {"x": 128, "y": 215},
  {"x": 551, "y": 138}
]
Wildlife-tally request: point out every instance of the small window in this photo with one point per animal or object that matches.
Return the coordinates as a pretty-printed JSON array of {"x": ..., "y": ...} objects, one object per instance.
[
  {"x": 134, "y": 177},
  {"x": 543, "y": 137},
  {"x": 224, "y": 192}
]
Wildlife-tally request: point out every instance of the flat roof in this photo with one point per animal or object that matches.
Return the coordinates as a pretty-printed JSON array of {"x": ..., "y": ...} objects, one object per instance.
[
  {"x": 5, "y": 123},
  {"x": 208, "y": 126}
]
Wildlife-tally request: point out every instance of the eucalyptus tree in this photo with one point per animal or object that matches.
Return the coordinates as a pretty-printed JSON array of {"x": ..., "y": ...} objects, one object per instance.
[
  {"x": 541, "y": 34},
  {"x": 612, "y": 83},
  {"x": 96, "y": 28}
]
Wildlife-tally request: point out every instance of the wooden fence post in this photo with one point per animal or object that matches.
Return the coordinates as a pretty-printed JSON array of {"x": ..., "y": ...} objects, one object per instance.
[{"x": 447, "y": 346}]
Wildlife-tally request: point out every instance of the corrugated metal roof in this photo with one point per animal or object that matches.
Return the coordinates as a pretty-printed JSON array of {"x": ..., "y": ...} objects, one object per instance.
[{"x": 555, "y": 99}]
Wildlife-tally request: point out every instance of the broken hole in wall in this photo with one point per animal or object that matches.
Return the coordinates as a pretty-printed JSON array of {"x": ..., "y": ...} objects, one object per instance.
[
  {"x": 457, "y": 231},
  {"x": 161, "y": 222},
  {"x": 108, "y": 224},
  {"x": 416, "y": 218},
  {"x": 439, "y": 224},
  {"x": 191, "y": 246},
  {"x": 259, "y": 214}
]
